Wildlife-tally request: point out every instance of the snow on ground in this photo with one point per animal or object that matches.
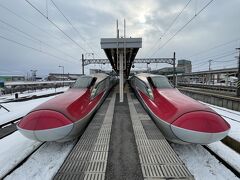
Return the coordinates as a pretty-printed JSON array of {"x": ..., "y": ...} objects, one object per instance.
[
  {"x": 235, "y": 126},
  {"x": 31, "y": 93},
  {"x": 19, "y": 109},
  {"x": 201, "y": 163},
  {"x": 14, "y": 148},
  {"x": 226, "y": 153},
  {"x": 44, "y": 163}
]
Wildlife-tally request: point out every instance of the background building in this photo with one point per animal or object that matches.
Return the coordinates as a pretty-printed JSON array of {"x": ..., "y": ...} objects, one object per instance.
[
  {"x": 12, "y": 78},
  {"x": 186, "y": 65},
  {"x": 61, "y": 77}
]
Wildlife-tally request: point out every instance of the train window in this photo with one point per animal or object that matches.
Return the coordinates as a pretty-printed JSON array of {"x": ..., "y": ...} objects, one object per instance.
[
  {"x": 99, "y": 88},
  {"x": 83, "y": 82},
  {"x": 141, "y": 86},
  {"x": 161, "y": 82}
]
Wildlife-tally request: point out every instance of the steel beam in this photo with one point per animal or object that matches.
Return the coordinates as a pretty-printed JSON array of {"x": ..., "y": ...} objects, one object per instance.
[{"x": 140, "y": 60}]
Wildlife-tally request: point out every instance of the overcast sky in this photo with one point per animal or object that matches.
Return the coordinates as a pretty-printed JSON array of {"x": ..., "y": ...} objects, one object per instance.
[{"x": 216, "y": 26}]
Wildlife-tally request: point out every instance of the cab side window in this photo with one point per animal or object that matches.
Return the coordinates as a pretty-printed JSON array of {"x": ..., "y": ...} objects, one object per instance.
[
  {"x": 144, "y": 88},
  {"x": 141, "y": 86},
  {"x": 100, "y": 87}
]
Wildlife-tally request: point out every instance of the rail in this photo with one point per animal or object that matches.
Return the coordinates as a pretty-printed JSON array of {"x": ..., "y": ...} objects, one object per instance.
[{"x": 212, "y": 87}]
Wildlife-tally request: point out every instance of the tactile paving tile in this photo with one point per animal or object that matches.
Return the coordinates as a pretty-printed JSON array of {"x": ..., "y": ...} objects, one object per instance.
[
  {"x": 101, "y": 147},
  {"x": 157, "y": 158},
  {"x": 167, "y": 159},
  {"x": 152, "y": 171},
  {"x": 99, "y": 156},
  {"x": 145, "y": 150},
  {"x": 148, "y": 159},
  {"x": 142, "y": 142},
  {"x": 97, "y": 166},
  {"x": 94, "y": 176},
  {"x": 79, "y": 161},
  {"x": 162, "y": 149},
  {"x": 83, "y": 156},
  {"x": 151, "y": 130},
  {"x": 143, "y": 117},
  {"x": 103, "y": 140},
  {"x": 87, "y": 147},
  {"x": 98, "y": 162},
  {"x": 64, "y": 176},
  {"x": 76, "y": 167},
  {"x": 172, "y": 171},
  {"x": 139, "y": 108}
]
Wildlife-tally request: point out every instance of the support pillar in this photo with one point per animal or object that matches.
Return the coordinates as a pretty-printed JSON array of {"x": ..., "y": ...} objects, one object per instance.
[
  {"x": 82, "y": 64},
  {"x": 174, "y": 70},
  {"x": 121, "y": 78},
  {"x": 238, "y": 82}
]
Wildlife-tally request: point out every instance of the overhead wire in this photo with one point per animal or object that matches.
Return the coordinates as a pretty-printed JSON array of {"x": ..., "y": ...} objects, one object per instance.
[
  {"x": 171, "y": 24},
  {"x": 36, "y": 39},
  {"x": 215, "y": 47},
  {"x": 33, "y": 48},
  {"x": 74, "y": 28},
  {"x": 55, "y": 25},
  {"x": 185, "y": 25},
  {"x": 205, "y": 64},
  {"x": 216, "y": 57},
  {"x": 29, "y": 22}
]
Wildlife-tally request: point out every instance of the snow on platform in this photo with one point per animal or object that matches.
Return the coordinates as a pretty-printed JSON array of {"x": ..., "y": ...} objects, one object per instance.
[
  {"x": 14, "y": 148},
  {"x": 201, "y": 163},
  {"x": 44, "y": 163}
]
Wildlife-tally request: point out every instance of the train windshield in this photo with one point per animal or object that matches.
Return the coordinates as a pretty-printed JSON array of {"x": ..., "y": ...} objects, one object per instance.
[
  {"x": 83, "y": 82},
  {"x": 161, "y": 82}
]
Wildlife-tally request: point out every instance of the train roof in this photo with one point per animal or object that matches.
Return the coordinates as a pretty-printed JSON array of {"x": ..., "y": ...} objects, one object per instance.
[
  {"x": 99, "y": 76},
  {"x": 143, "y": 76}
]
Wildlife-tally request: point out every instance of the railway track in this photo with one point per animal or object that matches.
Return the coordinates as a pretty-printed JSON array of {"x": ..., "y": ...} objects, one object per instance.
[
  {"x": 20, "y": 163},
  {"x": 224, "y": 162},
  {"x": 8, "y": 127},
  {"x": 27, "y": 98}
]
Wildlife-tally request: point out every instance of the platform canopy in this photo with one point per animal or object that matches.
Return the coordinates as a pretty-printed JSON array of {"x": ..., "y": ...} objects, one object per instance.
[{"x": 114, "y": 46}]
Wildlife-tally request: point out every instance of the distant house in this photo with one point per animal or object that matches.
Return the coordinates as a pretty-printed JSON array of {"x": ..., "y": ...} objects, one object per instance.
[{"x": 10, "y": 78}]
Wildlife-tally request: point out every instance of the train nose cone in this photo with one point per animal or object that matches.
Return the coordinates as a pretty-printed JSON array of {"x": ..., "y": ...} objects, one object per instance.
[
  {"x": 45, "y": 125},
  {"x": 200, "y": 127}
]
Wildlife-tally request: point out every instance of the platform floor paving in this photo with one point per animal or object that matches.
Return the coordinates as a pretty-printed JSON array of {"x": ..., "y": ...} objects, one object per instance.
[{"x": 122, "y": 142}]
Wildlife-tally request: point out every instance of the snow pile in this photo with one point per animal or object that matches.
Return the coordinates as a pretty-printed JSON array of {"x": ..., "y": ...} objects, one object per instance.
[
  {"x": 201, "y": 163},
  {"x": 14, "y": 148},
  {"x": 44, "y": 163}
]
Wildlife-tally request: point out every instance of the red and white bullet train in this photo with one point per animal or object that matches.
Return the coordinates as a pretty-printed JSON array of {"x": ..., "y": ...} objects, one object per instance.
[
  {"x": 180, "y": 118},
  {"x": 66, "y": 116}
]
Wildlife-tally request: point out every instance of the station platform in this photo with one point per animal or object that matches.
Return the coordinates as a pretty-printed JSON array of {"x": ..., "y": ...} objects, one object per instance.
[{"x": 122, "y": 142}]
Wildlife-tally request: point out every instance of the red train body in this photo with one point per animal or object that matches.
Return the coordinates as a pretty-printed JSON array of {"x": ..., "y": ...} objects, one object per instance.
[
  {"x": 180, "y": 118},
  {"x": 66, "y": 116}
]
